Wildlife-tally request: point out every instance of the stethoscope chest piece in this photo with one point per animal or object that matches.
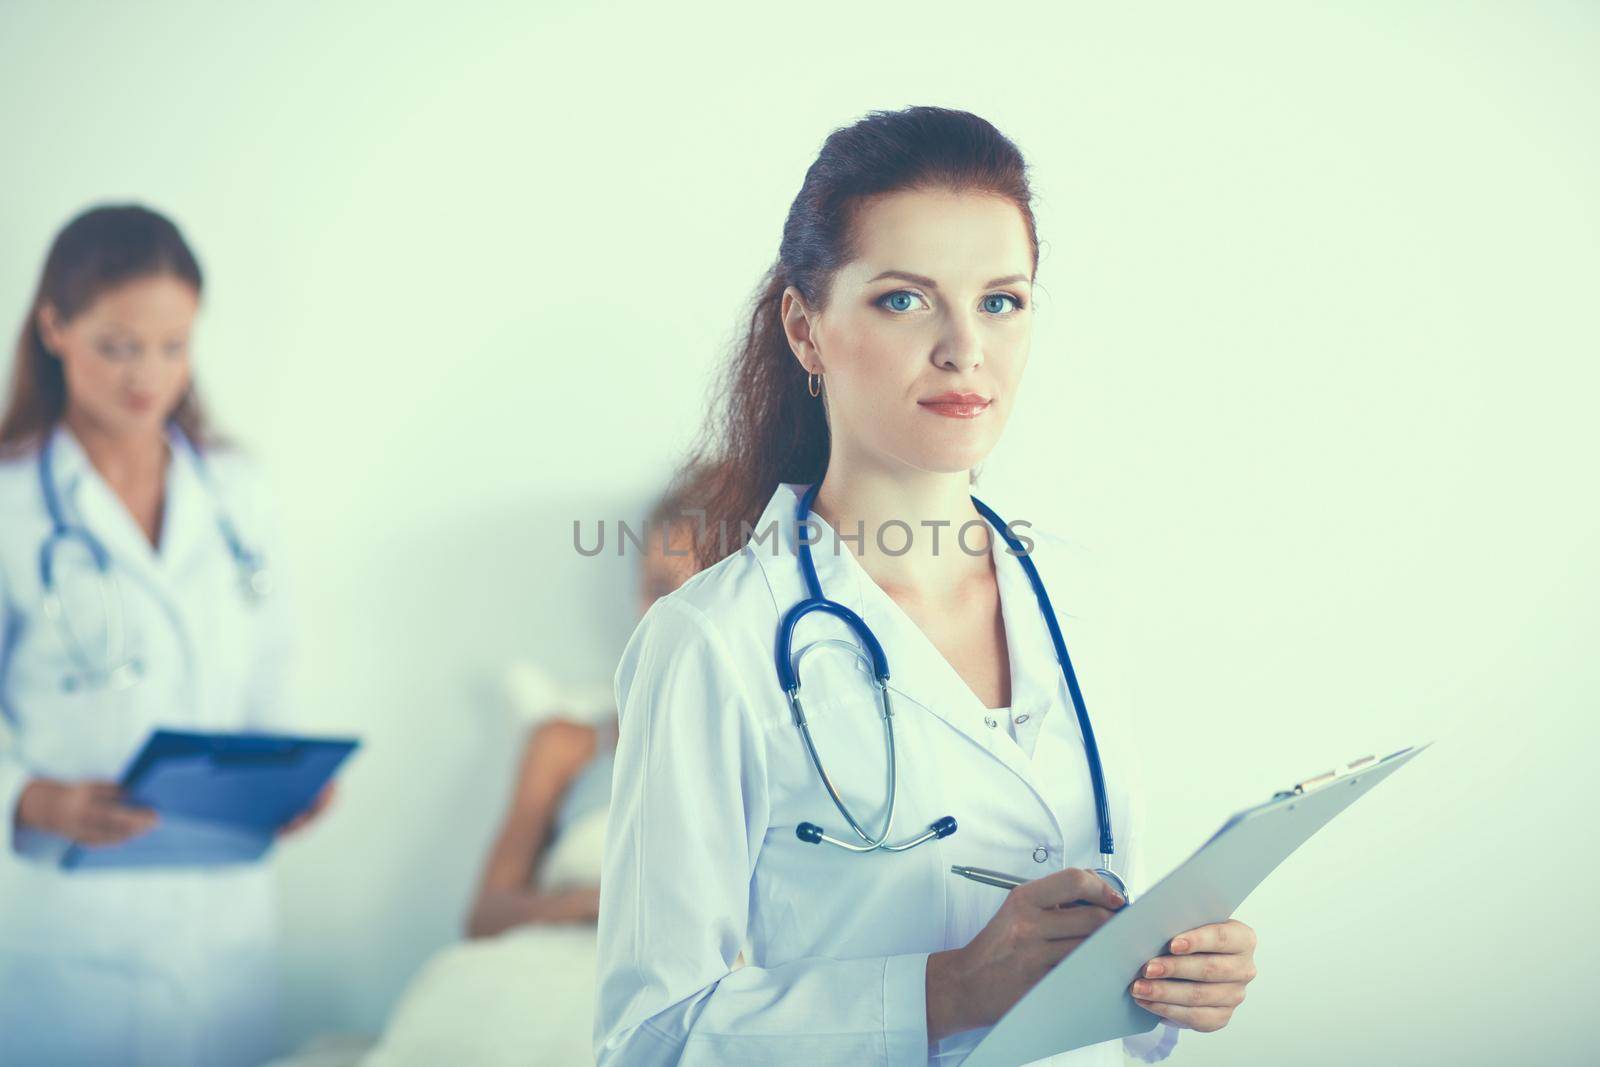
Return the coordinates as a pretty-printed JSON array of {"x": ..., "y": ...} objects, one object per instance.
[
  {"x": 1111, "y": 878},
  {"x": 120, "y": 677}
]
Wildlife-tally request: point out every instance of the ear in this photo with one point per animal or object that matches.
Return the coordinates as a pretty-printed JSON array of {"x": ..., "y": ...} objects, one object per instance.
[
  {"x": 50, "y": 325},
  {"x": 798, "y": 328}
]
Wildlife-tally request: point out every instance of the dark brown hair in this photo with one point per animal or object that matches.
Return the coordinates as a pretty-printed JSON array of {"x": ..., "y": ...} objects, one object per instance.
[
  {"x": 98, "y": 250},
  {"x": 764, "y": 428},
  {"x": 679, "y": 501}
]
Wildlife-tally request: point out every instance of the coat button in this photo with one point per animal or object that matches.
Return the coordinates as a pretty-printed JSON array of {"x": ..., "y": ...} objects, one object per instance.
[
  {"x": 1020, "y": 719},
  {"x": 989, "y": 721},
  {"x": 1041, "y": 854}
]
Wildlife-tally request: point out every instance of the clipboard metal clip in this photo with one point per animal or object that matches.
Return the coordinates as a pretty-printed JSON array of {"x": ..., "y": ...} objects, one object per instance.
[{"x": 1326, "y": 778}]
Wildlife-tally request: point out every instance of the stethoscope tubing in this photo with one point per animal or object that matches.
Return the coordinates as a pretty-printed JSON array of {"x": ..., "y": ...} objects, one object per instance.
[
  {"x": 252, "y": 573},
  {"x": 789, "y": 678},
  {"x": 1091, "y": 749}
]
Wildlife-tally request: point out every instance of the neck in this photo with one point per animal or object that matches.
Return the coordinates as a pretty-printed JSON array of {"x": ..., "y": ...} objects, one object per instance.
[
  {"x": 121, "y": 458},
  {"x": 939, "y": 556}
]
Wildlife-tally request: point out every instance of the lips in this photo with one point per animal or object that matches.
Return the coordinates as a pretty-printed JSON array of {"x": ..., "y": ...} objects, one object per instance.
[{"x": 956, "y": 405}]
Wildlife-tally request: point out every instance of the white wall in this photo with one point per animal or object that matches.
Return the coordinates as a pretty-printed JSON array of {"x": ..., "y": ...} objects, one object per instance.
[{"x": 1314, "y": 372}]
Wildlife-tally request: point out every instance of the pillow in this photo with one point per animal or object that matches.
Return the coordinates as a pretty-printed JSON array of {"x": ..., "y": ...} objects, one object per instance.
[
  {"x": 526, "y": 995},
  {"x": 523, "y": 997},
  {"x": 533, "y": 695}
]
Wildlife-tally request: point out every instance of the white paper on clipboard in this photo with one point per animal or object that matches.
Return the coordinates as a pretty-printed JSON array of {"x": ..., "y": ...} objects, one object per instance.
[{"x": 1085, "y": 999}]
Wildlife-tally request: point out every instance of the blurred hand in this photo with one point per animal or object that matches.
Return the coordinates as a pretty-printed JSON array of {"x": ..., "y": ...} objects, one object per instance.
[
  {"x": 90, "y": 813},
  {"x": 318, "y": 805},
  {"x": 568, "y": 905},
  {"x": 499, "y": 910},
  {"x": 1203, "y": 981}
]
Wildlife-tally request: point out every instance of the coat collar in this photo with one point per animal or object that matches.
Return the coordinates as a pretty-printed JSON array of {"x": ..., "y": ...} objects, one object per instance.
[
  {"x": 917, "y": 670},
  {"x": 87, "y": 500}
]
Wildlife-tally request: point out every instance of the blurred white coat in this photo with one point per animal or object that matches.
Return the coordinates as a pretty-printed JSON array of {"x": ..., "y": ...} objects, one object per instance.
[{"x": 163, "y": 967}]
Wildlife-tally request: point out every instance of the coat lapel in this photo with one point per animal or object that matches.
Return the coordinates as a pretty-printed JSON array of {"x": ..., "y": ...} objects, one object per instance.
[
  {"x": 190, "y": 517},
  {"x": 90, "y": 502}
]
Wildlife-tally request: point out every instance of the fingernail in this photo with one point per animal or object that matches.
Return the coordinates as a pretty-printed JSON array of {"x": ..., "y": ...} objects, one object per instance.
[
  {"x": 1142, "y": 988},
  {"x": 1180, "y": 944},
  {"x": 1154, "y": 970}
]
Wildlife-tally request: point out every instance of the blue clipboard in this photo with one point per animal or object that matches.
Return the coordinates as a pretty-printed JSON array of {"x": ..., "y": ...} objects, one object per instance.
[{"x": 221, "y": 797}]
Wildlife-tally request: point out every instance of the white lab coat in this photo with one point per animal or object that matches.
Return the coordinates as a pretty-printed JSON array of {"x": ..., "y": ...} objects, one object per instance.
[
  {"x": 160, "y": 967},
  {"x": 712, "y": 777}
]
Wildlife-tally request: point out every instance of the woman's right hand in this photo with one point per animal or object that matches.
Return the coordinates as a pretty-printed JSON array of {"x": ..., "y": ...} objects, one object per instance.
[
  {"x": 1039, "y": 924},
  {"x": 90, "y": 813}
]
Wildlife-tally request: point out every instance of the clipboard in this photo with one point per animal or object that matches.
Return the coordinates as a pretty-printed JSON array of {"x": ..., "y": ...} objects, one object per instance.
[
  {"x": 1084, "y": 1000},
  {"x": 221, "y": 797}
]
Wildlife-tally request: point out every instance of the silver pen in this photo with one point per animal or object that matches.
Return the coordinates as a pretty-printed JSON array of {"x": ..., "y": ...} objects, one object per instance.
[{"x": 999, "y": 879}]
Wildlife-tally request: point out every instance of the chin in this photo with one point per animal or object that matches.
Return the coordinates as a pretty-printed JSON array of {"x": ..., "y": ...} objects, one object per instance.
[{"x": 122, "y": 422}]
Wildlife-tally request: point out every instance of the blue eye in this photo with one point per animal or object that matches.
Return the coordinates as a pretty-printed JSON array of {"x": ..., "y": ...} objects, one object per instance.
[
  {"x": 1016, "y": 303},
  {"x": 898, "y": 302},
  {"x": 883, "y": 301}
]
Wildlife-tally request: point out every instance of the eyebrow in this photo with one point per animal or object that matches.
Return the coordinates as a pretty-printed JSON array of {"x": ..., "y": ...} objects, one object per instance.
[{"x": 931, "y": 284}]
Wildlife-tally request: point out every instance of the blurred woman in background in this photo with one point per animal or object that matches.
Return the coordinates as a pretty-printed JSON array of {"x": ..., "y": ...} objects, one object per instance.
[{"x": 134, "y": 595}]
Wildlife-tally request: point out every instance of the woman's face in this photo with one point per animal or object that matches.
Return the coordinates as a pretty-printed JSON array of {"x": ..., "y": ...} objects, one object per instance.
[
  {"x": 126, "y": 355},
  {"x": 938, "y": 301}
]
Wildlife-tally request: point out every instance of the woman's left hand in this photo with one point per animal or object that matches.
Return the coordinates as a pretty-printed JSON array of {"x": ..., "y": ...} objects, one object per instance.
[
  {"x": 1199, "y": 985},
  {"x": 316, "y": 808}
]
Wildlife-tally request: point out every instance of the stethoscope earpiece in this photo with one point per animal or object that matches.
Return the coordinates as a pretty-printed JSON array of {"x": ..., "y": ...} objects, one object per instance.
[{"x": 812, "y": 834}]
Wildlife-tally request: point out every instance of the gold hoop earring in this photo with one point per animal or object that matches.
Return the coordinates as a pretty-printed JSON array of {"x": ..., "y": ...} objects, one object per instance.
[{"x": 814, "y": 384}]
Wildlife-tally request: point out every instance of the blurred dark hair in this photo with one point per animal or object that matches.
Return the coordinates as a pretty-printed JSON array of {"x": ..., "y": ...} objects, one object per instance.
[
  {"x": 764, "y": 428},
  {"x": 98, "y": 250},
  {"x": 683, "y": 501}
]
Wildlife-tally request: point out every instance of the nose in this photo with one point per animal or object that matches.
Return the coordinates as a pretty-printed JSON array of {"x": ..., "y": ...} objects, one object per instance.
[
  {"x": 961, "y": 348},
  {"x": 143, "y": 368}
]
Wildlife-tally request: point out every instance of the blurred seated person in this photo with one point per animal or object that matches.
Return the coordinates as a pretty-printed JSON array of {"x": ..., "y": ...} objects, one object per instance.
[
  {"x": 564, "y": 780},
  {"x": 519, "y": 989}
]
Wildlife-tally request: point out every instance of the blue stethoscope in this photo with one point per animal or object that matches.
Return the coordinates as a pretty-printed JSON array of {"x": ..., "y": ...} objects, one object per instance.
[
  {"x": 118, "y": 667},
  {"x": 878, "y": 665}
]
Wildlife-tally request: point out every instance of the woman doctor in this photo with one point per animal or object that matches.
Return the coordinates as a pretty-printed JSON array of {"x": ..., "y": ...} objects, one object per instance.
[
  {"x": 135, "y": 596},
  {"x": 884, "y": 355}
]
